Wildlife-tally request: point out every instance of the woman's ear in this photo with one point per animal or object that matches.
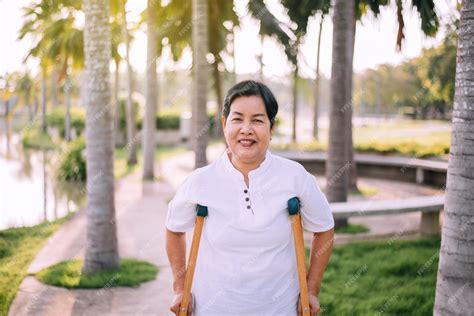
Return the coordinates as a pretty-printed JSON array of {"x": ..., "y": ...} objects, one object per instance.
[
  {"x": 273, "y": 128},
  {"x": 222, "y": 121}
]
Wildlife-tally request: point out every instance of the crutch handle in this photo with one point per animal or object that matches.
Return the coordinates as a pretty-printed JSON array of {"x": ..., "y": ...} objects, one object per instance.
[
  {"x": 294, "y": 212},
  {"x": 202, "y": 212}
]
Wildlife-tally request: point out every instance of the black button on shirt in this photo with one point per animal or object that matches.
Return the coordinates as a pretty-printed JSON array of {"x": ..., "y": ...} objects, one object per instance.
[
  {"x": 248, "y": 206},
  {"x": 245, "y": 191},
  {"x": 246, "y": 199}
]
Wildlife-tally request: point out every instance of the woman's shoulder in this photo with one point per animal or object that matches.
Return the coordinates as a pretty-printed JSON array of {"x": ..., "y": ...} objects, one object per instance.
[
  {"x": 202, "y": 173},
  {"x": 288, "y": 166}
]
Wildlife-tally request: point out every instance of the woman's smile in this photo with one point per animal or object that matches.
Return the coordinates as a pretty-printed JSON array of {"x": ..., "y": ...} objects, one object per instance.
[
  {"x": 247, "y": 143},
  {"x": 247, "y": 131}
]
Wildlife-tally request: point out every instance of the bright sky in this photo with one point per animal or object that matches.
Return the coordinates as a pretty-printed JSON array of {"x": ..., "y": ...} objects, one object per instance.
[{"x": 375, "y": 41}]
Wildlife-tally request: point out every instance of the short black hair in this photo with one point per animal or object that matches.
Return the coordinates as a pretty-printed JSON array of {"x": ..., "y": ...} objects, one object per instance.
[{"x": 250, "y": 88}]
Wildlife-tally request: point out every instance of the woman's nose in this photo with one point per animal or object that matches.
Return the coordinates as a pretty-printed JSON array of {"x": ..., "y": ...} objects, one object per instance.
[{"x": 246, "y": 128}]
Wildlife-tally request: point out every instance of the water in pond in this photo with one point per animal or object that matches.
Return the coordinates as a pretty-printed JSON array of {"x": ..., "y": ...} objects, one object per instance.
[{"x": 29, "y": 192}]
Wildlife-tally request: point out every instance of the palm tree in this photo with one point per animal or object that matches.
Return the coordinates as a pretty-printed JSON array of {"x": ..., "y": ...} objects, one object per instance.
[
  {"x": 337, "y": 157},
  {"x": 455, "y": 281},
  {"x": 222, "y": 20},
  {"x": 36, "y": 18},
  {"x": 117, "y": 39},
  {"x": 429, "y": 26},
  {"x": 317, "y": 82},
  {"x": 220, "y": 12},
  {"x": 200, "y": 46},
  {"x": 67, "y": 49},
  {"x": 53, "y": 85},
  {"x": 102, "y": 244},
  {"x": 7, "y": 111},
  {"x": 25, "y": 88},
  {"x": 131, "y": 141},
  {"x": 44, "y": 67},
  {"x": 299, "y": 13},
  {"x": 56, "y": 41},
  {"x": 234, "y": 71},
  {"x": 179, "y": 13},
  {"x": 269, "y": 26},
  {"x": 151, "y": 95}
]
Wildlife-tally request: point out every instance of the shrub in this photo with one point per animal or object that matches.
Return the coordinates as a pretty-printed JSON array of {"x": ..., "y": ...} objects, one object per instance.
[
  {"x": 57, "y": 118},
  {"x": 34, "y": 138},
  {"x": 72, "y": 164},
  {"x": 123, "y": 117},
  {"x": 404, "y": 147},
  {"x": 168, "y": 121}
]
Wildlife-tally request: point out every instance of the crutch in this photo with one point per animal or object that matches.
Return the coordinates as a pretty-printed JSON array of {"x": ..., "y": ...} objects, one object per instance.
[
  {"x": 188, "y": 279},
  {"x": 294, "y": 211}
]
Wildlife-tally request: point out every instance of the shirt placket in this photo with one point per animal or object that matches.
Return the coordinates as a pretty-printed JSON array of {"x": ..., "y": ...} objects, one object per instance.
[{"x": 248, "y": 202}]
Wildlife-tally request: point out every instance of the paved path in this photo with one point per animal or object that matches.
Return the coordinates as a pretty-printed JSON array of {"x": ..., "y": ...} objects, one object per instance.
[{"x": 141, "y": 213}]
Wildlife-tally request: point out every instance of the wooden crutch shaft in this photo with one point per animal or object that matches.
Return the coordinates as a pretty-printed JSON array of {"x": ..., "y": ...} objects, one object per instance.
[
  {"x": 295, "y": 216},
  {"x": 188, "y": 279},
  {"x": 301, "y": 262}
]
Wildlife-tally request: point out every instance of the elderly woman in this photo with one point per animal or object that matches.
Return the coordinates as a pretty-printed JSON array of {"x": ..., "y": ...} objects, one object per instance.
[{"x": 247, "y": 263}]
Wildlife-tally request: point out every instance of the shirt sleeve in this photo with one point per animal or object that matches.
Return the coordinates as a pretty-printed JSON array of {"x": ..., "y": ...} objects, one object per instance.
[
  {"x": 182, "y": 214},
  {"x": 315, "y": 212}
]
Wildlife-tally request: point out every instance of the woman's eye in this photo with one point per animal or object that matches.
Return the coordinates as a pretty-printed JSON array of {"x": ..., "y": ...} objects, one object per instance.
[
  {"x": 236, "y": 119},
  {"x": 258, "y": 121}
]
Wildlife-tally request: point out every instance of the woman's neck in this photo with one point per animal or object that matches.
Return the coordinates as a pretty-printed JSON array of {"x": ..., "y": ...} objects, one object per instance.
[{"x": 243, "y": 166}]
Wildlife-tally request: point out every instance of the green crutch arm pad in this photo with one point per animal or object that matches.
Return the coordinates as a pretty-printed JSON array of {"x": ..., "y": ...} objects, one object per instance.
[
  {"x": 293, "y": 206},
  {"x": 201, "y": 210}
]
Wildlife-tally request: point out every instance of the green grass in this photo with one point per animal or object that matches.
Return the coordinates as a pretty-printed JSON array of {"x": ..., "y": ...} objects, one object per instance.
[
  {"x": 411, "y": 147},
  {"x": 373, "y": 278},
  {"x": 352, "y": 229},
  {"x": 366, "y": 191},
  {"x": 121, "y": 169},
  {"x": 68, "y": 274},
  {"x": 406, "y": 138},
  {"x": 34, "y": 138},
  {"x": 18, "y": 247}
]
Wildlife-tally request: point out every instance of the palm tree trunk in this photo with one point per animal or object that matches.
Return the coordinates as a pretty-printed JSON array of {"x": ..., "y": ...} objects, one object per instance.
[
  {"x": 102, "y": 244},
  {"x": 455, "y": 281},
  {"x": 200, "y": 73},
  {"x": 54, "y": 87},
  {"x": 350, "y": 147},
  {"x": 35, "y": 105},
  {"x": 116, "y": 103},
  {"x": 337, "y": 162},
  {"x": 234, "y": 73},
  {"x": 8, "y": 118},
  {"x": 295, "y": 102},
  {"x": 260, "y": 58},
  {"x": 67, "y": 98},
  {"x": 43, "y": 100},
  {"x": 219, "y": 99},
  {"x": 317, "y": 82},
  {"x": 150, "y": 110},
  {"x": 131, "y": 141},
  {"x": 28, "y": 104},
  {"x": 45, "y": 187}
]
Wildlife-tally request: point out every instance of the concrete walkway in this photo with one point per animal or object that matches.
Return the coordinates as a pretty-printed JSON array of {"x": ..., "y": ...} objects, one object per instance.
[{"x": 141, "y": 213}]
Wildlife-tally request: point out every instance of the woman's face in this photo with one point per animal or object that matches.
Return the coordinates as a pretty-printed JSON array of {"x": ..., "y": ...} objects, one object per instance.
[{"x": 247, "y": 129}]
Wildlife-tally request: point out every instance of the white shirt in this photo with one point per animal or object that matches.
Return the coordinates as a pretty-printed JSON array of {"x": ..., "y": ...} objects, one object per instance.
[{"x": 246, "y": 263}]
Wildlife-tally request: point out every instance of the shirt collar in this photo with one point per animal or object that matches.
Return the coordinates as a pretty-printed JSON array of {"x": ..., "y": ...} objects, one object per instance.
[{"x": 253, "y": 174}]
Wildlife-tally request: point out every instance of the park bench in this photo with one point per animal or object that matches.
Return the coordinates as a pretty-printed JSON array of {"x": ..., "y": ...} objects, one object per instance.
[
  {"x": 430, "y": 206},
  {"x": 407, "y": 169}
]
